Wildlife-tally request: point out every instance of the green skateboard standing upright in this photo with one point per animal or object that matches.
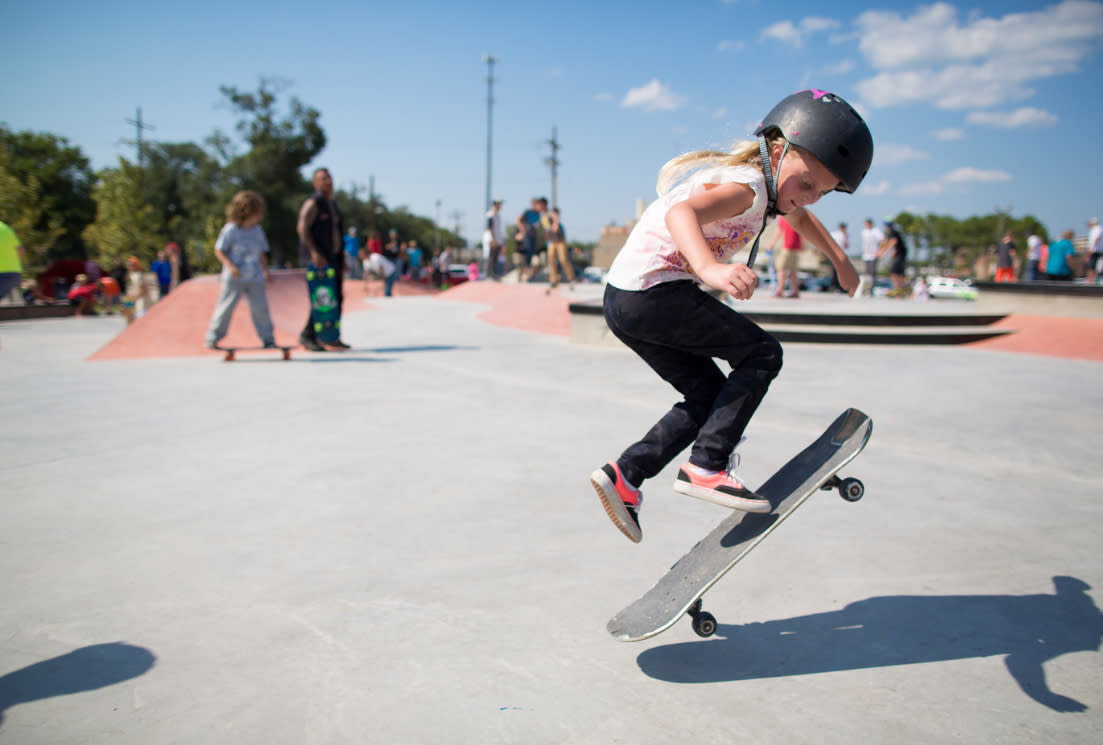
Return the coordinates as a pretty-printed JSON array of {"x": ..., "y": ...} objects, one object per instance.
[{"x": 325, "y": 314}]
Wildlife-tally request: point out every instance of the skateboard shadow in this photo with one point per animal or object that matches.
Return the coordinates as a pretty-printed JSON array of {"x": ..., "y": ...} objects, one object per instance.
[
  {"x": 900, "y": 630},
  {"x": 84, "y": 669}
]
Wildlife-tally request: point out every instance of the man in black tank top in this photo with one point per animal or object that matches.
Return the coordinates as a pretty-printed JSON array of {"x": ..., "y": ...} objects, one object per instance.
[{"x": 320, "y": 229}]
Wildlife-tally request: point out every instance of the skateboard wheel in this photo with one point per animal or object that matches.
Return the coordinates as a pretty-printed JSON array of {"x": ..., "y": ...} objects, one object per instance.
[
  {"x": 852, "y": 490},
  {"x": 704, "y": 624}
]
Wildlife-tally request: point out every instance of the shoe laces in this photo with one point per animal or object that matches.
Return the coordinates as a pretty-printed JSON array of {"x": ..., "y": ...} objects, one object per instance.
[{"x": 733, "y": 463}]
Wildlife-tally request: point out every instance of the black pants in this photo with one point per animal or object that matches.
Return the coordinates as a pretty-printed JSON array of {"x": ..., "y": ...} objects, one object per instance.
[
  {"x": 678, "y": 329},
  {"x": 339, "y": 290}
]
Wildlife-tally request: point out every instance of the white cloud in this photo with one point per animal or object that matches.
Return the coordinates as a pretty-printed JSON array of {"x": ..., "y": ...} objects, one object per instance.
[
  {"x": 876, "y": 190},
  {"x": 604, "y": 96},
  {"x": 720, "y": 113},
  {"x": 969, "y": 175},
  {"x": 654, "y": 96},
  {"x": 792, "y": 34},
  {"x": 840, "y": 68},
  {"x": 948, "y": 134},
  {"x": 729, "y": 46},
  {"x": 957, "y": 177},
  {"x": 890, "y": 154},
  {"x": 933, "y": 56},
  {"x": 1027, "y": 116}
]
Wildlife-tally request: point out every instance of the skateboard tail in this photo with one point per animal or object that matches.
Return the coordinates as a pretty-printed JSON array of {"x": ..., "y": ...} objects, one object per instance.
[{"x": 738, "y": 534}]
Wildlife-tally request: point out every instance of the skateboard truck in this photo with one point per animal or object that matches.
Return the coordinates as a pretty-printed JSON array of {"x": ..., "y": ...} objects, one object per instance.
[
  {"x": 704, "y": 623},
  {"x": 849, "y": 489}
]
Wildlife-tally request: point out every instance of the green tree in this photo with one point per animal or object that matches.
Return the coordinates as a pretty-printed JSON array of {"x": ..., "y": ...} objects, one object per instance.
[
  {"x": 185, "y": 186},
  {"x": 279, "y": 147},
  {"x": 22, "y": 207},
  {"x": 64, "y": 194},
  {"x": 126, "y": 224}
]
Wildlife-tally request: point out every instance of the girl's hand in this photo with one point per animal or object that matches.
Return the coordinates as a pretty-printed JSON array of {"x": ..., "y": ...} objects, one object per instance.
[
  {"x": 738, "y": 280},
  {"x": 235, "y": 272},
  {"x": 848, "y": 278}
]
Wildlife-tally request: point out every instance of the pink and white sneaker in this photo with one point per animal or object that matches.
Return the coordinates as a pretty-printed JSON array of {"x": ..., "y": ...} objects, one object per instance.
[
  {"x": 723, "y": 488},
  {"x": 620, "y": 499}
]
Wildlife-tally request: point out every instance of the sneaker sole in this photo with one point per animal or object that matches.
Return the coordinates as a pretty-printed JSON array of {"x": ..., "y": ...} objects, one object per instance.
[
  {"x": 614, "y": 507},
  {"x": 757, "y": 506}
]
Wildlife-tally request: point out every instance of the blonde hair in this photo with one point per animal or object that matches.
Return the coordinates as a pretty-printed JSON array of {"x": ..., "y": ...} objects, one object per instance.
[
  {"x": 244, "y": 205},
  {"x": 742, "y": 153}
]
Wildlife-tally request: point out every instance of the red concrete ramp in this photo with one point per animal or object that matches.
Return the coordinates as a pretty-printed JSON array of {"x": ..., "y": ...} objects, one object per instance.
[
  {"x": 177, "y": 325},
  {"x": 529, "y": 307}
]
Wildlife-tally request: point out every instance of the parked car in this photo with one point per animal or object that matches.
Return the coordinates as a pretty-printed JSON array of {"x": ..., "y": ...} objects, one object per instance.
[{"x": 951, "y": 287}]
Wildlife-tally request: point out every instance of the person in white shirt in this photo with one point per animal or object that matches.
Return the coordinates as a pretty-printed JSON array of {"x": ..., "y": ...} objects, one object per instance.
[
  {"x": 1095, "y": 250},
  {"x": 493, "y": 240},
  {"x": 843, "y": 239},
  {"x": 871, "y": 241}
]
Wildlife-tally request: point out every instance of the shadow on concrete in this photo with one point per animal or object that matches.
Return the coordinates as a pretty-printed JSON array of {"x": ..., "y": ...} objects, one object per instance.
[
  {"x": 900, "y": 630},
  {"x": 84, "y": 669}
]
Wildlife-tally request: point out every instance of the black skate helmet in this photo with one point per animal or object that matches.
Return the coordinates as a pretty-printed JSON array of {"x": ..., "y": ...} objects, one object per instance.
[{"x": 830, "y": 129}]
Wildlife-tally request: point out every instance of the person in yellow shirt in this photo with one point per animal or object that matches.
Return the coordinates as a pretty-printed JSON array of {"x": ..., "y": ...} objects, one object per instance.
[{"x": 11, "y": 260}]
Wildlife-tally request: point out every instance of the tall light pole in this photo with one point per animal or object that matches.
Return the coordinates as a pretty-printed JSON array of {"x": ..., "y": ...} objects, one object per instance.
[
  {"x": 554, "y": 162},
  {"x": 489, "y": 59}
]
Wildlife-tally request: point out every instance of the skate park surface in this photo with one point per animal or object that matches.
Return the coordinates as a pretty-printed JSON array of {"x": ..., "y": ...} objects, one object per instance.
[{"x": 398, "y": 543}]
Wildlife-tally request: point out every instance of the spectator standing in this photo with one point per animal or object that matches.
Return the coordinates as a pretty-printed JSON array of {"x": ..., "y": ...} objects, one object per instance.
[
  {"x": 163, "y": 269},
  {"x": 352, "y": 254},
  {"x": 12, "y": 256},
  {"x": 842, "y": 238},
  {"x": 320, "y": 227},
  {"x": 141, "y": 290},
  {"x": 789, "y": 261},
  {"x": 1033, "y": 256},
  {"x": 493, "y": 239},
  {"x": 871, "y": 241},
  {"x": 557, "y": 251},
  {"x": 415, "y": 257},
  {"x": 1095, "y": 250},
  {"x": 1057, "y": 263},
  {"x": 894, "y": 246},
  {"x": 1005, "y": 258},
  {"x": 528, "y": 235},
  {"x": 242, "y": 249}
]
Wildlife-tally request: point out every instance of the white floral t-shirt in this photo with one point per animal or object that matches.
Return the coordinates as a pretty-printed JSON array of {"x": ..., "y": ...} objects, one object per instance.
[{"x": 649, "y": 257}]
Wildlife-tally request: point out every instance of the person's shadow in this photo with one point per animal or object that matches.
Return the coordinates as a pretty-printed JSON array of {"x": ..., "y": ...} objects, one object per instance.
[
  {"x": 900, "y": 630},
  {"x": 84, "y": 669}
]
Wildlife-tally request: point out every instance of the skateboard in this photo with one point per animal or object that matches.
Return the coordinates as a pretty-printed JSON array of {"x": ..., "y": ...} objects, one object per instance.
[
  {"x": 231, "y": 352},
  {"x": 324, "y": 313},
  {"x": 680, "y": 591}
]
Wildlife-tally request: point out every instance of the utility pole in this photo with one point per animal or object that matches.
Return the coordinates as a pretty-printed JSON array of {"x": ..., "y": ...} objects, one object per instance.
[
  {"x": 139, "y": 125},
  {"x": 554, "y": 162},
  {"x": 489, "y": 59}
]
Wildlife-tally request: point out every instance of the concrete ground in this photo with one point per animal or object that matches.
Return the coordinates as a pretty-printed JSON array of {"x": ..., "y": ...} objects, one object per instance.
[{"x": 398, "y": 544}]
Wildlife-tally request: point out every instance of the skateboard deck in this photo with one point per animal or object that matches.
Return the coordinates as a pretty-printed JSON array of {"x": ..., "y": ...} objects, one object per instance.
[
  {"x": 679, "y": 592},
  {"x": 324, "y": 313},
  {"x": 231, "y": 352}
]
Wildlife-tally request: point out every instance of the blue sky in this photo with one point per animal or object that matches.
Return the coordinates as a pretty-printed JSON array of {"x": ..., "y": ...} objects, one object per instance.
[{"x": 972, "y": 107}]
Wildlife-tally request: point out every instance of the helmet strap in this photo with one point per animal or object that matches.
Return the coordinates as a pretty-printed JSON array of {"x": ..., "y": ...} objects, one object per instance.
[{"x": 771, "y": 191}]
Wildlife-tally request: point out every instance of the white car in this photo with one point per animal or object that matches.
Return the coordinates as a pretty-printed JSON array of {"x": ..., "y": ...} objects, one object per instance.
[{"x": 951, "y": 287}]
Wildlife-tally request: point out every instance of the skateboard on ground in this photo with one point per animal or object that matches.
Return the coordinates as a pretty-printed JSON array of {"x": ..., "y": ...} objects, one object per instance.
[
  {"x": 680, "y": 591},
  {"x": 324, "y": 313},
  {"x": 231, "y": 352}
]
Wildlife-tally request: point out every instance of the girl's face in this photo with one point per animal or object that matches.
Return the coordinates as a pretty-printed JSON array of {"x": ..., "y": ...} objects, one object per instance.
[
  {"x": 252, "y": 219},
  {"x": 802, "y": 179}
]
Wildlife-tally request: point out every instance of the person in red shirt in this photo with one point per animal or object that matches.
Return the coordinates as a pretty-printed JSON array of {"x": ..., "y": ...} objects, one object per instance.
[{"x": 789, "y": 260}]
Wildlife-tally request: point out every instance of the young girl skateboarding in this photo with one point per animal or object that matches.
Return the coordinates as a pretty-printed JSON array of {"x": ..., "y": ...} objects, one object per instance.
[{"x": 712, "y": 204}]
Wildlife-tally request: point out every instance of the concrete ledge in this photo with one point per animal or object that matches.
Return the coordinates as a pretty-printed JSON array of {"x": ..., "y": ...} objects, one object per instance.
[
  {"x": 1066, "y": 299},
  {"x": 23, "y": 312}
]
